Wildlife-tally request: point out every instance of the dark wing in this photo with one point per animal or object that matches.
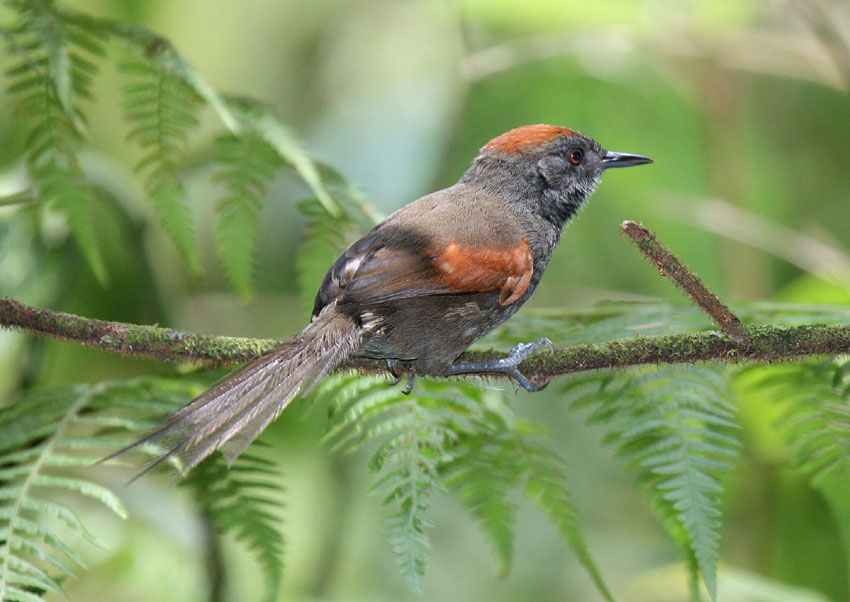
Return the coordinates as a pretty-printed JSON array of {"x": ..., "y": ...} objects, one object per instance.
[{"x": 394, "y": 263}]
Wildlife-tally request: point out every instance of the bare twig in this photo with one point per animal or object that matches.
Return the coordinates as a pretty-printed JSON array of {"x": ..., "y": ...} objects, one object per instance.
[{"x": 671, "y": 266}]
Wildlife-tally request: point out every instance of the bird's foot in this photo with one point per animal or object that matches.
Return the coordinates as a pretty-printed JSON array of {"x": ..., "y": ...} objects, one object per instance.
[
  {"x": 507, "y": 365},
  {"x": 393, "y": 369}
]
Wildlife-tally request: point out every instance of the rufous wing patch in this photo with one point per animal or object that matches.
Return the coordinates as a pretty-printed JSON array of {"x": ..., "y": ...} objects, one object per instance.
[
  {"x": 515, "y": 287},
  {"x": 525, "y": 137},
  {"x": 482, "y": 269}
]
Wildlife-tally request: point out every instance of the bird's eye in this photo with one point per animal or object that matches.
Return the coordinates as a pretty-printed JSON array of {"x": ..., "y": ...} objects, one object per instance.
[{"x": 576, "y": 156}]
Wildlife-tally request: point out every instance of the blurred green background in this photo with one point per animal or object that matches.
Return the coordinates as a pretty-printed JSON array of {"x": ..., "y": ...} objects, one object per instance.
[{"x": 744, "y": 107}]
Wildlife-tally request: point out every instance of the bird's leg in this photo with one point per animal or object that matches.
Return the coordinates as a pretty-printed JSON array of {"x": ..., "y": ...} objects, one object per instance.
[{"x": 506, "y": 365}]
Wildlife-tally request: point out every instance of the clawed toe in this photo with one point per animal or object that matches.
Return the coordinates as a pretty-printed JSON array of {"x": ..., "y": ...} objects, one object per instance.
[
  {"x": 408, "y": 386},
  {"x": 392, "y": 368},
  {"x": 521, "y": 352},
  {"x": 523, "y": 381},
  {"x": 507, "y": 365}
]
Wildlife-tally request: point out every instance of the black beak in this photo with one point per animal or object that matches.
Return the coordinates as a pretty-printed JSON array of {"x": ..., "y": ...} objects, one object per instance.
[{"x": 615, "y": 159}]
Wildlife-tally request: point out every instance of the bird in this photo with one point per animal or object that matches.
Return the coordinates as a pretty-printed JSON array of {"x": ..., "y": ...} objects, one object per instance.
[{"x": 417, "y": 289}]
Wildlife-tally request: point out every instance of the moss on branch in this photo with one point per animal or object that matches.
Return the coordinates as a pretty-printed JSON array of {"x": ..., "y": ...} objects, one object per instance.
[
  {"x": 766, "y": 344},
  {"x": 737, "y": 343}
]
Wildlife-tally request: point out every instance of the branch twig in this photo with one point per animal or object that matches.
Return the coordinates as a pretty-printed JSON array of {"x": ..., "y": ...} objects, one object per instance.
[
  {"x": 131, "y": 339},
  {"x": 767, "y": 344},
  {"x": 671, "y": 266},
  {"x": 756, "y": 344}
]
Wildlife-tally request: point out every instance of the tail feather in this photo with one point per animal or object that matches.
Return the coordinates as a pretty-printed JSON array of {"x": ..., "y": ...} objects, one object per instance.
[
  {"x": 255, "y": 425},
  {"x": 233, "y": 413}
]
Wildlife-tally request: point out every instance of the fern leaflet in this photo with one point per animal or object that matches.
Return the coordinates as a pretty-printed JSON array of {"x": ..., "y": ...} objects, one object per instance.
[
  {"x": 453, "y": 435},
  {"x": 483, "y": 478},
  {"x": 264, "y": 122},
  {"x": 545, "y": 485},
  {"x": 242, "y": 500},
  {"x": 817, "y": 426},
  {"x": 48, "y": 438},
  {"x": 247, "y": 164},
  {"x": 29, "y": 465},
  {"x": 162, "y": 110},
  {"x": 411, "y": 449},
  {"x": 673, "y": 427},
  {"x": 54, "y": 70},
  {"x": 258, "y": 118}
]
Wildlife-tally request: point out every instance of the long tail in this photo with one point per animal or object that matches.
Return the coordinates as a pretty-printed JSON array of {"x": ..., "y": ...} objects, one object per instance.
[{"x": 234, "y": 412}]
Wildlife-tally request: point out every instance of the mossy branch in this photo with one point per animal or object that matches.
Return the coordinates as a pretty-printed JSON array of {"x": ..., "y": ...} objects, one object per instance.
[
  {"x": 131, "y": 339},
  {"x": 736, "y": 344}
]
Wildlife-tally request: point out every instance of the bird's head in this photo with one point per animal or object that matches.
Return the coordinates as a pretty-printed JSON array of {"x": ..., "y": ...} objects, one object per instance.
[{"x": 557, "y": 165}]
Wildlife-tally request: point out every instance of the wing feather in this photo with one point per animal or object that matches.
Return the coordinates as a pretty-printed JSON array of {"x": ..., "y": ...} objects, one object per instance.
[{"x": 399, "y": 259}]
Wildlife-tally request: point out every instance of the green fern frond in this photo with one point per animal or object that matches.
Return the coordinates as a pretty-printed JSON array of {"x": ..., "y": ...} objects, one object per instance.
[
  {"x": 261, "y": 119},
  {"x": 502, "y": 454},
  {"x": 410, "y": 459},
  {"x": 817, "y": 426},
  {"x": 249, "y": 158},
  {"x": 162, "y": 110},
  {"x": 673, "y": 427},
  {"x": 411, "y": 446},
  {"x": 57, "y": 53},
  {"x": 414, "y": 436},
  {"x": 152, "y": 47},
  {"x": 54, "y": 70},
  {"x": 242, "y": 500},
  {"x": 33, "y": 448},
  {"x": 71, "y": 196},
  {"x": 483, "y": 477},
  {"x": 247, "y": 165},
  {"x": 453, "y": 435},
  {"x": 236, "y": 113},
  {"x": 47, "y": 439},
  {"x": 545, "y": 484},
  {"x": 162, "y": 106}
]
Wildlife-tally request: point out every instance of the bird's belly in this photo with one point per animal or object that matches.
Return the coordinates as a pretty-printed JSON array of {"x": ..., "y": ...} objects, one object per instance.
[{"x": 431, "y": 332}]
